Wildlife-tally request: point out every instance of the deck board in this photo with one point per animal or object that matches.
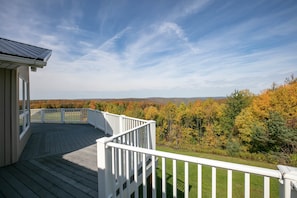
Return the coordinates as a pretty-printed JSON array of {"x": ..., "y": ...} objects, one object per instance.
[
  {"x": 35, "y": 186},
  {"x": 59, "y": 161}
]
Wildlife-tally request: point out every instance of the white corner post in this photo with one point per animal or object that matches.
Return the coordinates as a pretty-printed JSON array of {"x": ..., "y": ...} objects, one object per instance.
[
  {"x": 288, "y": 186},
  {"x": 153, "y": 134},
  {"x": 105, "y": 123},
  {"x": 105, "y": 178},
  {"x": 121, "y": 123}
]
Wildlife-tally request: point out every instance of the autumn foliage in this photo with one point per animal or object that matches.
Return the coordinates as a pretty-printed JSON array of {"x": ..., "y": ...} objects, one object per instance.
[{"x": 261, "y": 127}]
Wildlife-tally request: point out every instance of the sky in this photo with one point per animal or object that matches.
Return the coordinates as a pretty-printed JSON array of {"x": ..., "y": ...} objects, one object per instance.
[{"x": 155, "y": 48}]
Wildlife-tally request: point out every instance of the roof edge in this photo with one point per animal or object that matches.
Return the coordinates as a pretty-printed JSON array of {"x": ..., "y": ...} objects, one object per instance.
[{"x": 24, "y": 61}]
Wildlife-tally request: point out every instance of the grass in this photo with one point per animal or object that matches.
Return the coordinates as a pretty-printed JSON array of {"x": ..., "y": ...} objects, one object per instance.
[{"x": 256, "y": 182}]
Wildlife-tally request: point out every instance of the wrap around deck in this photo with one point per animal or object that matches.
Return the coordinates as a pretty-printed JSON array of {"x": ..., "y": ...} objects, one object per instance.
[{"x": 59, "y": 160}]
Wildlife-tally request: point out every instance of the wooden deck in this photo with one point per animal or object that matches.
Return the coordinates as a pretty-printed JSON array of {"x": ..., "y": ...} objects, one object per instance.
[{"x": 58, "y": 161}]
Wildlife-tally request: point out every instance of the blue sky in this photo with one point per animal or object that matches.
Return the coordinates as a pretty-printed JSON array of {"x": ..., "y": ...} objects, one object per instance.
[{"x": 156, "y": 48}]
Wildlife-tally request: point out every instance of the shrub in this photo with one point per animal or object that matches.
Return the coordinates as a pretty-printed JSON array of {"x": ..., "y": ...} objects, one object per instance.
[
  {"x": 233, "y": 148},
  {"x": 293, "y": 159}
]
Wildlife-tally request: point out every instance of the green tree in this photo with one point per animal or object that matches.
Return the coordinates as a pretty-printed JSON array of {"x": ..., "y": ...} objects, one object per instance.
[
  {"x": 275, "y": 136},
  {"x": 237, "y": 101}
]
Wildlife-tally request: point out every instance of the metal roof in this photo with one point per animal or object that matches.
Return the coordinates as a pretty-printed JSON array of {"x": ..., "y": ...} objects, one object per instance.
[{"x": 18, "y": 49}]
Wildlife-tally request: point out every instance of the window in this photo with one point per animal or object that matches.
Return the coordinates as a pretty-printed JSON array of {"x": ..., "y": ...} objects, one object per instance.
[{"x": 24, "y": 119}]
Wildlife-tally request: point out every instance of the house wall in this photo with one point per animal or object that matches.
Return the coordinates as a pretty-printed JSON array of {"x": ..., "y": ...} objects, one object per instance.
[
  {"x": 11, "y": 144},
  {"x": 23, "y": 72}
]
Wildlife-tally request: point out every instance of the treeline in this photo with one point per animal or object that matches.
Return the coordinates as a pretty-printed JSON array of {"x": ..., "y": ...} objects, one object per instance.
[
  {"x": 260, "y": 127},
  {"x": 56, "y": 104}
]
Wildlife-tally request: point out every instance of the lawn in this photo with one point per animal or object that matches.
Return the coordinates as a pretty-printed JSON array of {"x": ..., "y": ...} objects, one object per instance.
[{"x": 256, "y": 182}]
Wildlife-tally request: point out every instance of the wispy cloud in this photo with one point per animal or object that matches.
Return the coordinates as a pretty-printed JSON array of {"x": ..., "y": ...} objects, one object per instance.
[
  {"x": 163, "y": 56},
  {"x": 187, "y": 7}
]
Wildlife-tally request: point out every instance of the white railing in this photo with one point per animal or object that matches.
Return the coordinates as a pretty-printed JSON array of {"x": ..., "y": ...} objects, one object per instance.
[
  {"x": 112, "y": 124},
  {"x": 119, "y": 172},
  {"x": 123, "y": 130},
  {"x": 134, "y": 158},
  {"x": 67, "y": 115}
]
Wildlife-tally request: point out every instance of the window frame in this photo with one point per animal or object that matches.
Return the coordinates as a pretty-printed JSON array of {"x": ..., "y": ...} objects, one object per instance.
[{"x": 23, "y": 106}]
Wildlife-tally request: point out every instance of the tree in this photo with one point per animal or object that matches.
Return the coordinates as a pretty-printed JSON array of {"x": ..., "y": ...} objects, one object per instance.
[
  {"x": 151, "y": 113},
  {"x": 168, "y": 115},
  {"x": 237, "y": 101},
  {"x": 274, "y": 136},
  {"x": 281, "y": 138},
  {"x": 210, "y": 114},
  {"x": 244, "y": 123}
]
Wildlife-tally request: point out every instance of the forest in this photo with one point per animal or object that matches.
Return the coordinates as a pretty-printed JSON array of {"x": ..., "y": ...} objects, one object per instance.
[{"x": 259, "y": 127}]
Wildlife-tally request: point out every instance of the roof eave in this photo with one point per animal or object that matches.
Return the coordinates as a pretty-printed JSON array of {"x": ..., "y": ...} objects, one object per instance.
[
  {"x": 48, "y": 55},
  {"x": 24, "y": 61}
]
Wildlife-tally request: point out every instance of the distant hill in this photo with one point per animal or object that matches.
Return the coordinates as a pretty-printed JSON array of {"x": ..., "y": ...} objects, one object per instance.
[
  {"x": 70, "y": 103},
  {"x": 161, "y": 100},
  {"x": 182, "y": 100}
]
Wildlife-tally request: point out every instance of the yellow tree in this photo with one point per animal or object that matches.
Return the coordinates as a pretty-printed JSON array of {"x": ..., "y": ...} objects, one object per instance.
[
  {"x": 151, "y": 113},
  {"x": 167, "y": 120},
  {"x": 261, "y": 105},
  {"x": 245, "y": 123},
  {"x": 211, "y": 110},
  {"x": 284, "y": 101}
]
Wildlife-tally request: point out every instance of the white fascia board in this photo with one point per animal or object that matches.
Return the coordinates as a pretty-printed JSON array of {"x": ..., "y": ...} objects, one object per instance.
[{"x": 23, "y": 61}]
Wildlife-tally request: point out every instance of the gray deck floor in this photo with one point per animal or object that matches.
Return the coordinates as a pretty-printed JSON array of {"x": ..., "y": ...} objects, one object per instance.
[{"x": 58, "y": 161}]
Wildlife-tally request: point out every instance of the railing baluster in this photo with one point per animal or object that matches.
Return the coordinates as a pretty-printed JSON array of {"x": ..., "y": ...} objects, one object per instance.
[
  {"x": 131, "y": 138},
  {"x": 214, "y": 182},
  {"x": 229, "y": 182},
  {"x": 266, "y": 187},
  {"x": 154, "y": 190},
  {"x": 136, "y": 174},
  {"x": 287, "y": 188},
  {"x": 199, "y": 182},
  {"x": 113, "y": 167},
  {"x": 128, "y": 172},
  {"x": 174, "y": 178},
  {"x": 120, "y": 171},
  {"x": 246, "y": 185},
  {"x": 144, "y": 176},
  {"x": 147, "y": 132},
  {"x": 163, "y": 177},
  {"x": 186, "y": 179}
]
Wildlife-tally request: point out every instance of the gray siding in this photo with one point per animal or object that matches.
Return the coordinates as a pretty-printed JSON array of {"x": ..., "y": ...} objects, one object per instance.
[
  {"x": 8, "y": 121},
  {"x": 11, "y": 145}
]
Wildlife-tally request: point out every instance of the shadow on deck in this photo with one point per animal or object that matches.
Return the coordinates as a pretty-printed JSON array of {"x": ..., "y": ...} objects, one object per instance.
[{"x": 59, "y": 160}]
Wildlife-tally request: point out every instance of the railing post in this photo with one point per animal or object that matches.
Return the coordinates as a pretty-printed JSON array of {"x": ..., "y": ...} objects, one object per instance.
[
  {"x": 42, "y": 115},
  {"x": 121, "y": 123},
  {"x": 105, "y": 123},
  {"x": 105, "y": 184},
  {"x": 153, "y": 134},
  {"x": 62, "y": 115},
  {"x": 287, "y": 189}
]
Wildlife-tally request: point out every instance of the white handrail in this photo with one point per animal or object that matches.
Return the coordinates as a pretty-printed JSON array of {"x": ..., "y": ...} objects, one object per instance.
[{"x": 203, "y": 161}]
